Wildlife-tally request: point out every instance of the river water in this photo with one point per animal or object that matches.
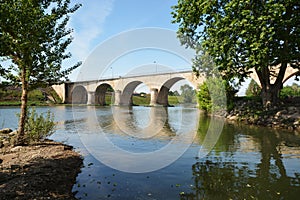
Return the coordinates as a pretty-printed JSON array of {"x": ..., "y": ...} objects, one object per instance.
[{"x": 173, "y": 153}]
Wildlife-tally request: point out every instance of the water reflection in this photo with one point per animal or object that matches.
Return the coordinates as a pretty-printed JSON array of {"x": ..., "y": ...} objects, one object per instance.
[
  {"x": 225, "y": 174},
  {"x": 127, "y": 143}
]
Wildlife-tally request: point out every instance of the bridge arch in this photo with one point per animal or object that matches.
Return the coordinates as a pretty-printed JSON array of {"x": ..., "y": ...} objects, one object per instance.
[
  {"x": 297, "y": 73},
  {"x": 101, "y": 92},
  {"x": 162, "y": 97},
  {"x": 79, "y": 95},
  {"x": 126, "y": 98}
]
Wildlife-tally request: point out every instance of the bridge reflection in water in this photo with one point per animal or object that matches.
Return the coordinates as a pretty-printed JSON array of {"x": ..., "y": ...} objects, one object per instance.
[{"x": 246, "y": 162}]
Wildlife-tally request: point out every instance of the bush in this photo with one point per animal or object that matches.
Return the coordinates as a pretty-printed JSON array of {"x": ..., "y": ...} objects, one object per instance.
[
  {"x": 290, "y": 91},
  {"x": 253, "y": 89},
  {"x": 216, "y": 94},
  {"x": 38, "y": 126},
  {"x": 204, "y": 98},
  {"x": 188, "y": 94}
]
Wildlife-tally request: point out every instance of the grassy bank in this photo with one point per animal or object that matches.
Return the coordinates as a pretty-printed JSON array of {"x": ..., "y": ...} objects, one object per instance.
[
  {"x": 10, "y": 96},
  {"x": 145, "y": 101},
  {"x": 18, "y": 103},
  {"x": 36, "y": 98}
]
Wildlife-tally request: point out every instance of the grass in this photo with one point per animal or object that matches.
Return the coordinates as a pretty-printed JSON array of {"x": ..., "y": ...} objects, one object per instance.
[
  {"x": 18, "y": 103},
  {"x": 36, "y": 98},
  {"x": 145, "y": 101},
  {"x": 12, "y": 96},
  {"x": 141, "y": 101},
  {"x": 174, "y": 100}
]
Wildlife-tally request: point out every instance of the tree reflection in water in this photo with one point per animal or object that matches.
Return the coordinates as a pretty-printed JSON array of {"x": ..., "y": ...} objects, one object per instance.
[{"x": 226, "y": 177}]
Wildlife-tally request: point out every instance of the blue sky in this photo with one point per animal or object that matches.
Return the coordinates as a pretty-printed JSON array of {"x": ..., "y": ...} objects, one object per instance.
[{"x": 98, "y": 20}]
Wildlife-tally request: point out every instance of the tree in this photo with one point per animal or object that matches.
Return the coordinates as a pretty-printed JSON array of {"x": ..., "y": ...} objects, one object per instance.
[
  {"x": 34, "y": 37},
  {"x": 243, "y": 35},
  {"x": 253, "y": 89},
  {"x": 290, "y": 91},
  {"x": 187, "y": 93},
  {"x": 216, "y": 94},
  {"x": 173, "y": 93}
]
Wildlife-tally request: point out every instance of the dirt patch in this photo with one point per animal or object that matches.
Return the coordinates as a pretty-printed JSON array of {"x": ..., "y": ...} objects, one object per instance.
[{"x": 46, "y": 170}]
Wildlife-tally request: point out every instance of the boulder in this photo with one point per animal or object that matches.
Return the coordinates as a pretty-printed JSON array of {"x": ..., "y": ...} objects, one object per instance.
[
  {"x": 233, "y": 118},
  {"x": 5, "y": 131},
  {"x": 292, "y": 108}
]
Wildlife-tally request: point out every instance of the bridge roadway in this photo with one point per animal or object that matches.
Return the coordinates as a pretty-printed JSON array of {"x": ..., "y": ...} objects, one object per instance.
[{"x": 93, "y": 91}]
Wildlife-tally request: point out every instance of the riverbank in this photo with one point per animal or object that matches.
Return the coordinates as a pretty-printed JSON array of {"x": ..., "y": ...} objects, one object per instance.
[
  {"x": 284, "y": 116},
  {"x": 46, "y": 170}
]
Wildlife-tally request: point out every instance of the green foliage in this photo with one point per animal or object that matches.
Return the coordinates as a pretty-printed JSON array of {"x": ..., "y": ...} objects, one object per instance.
[
  {"x": 243, "y": 35},
  {"x": 188, "y": 94},
  {"x": 173, "y": 93},
  {"x": 215, "y": 94},
  {"x": 34, "y": 38},
  {"x": 290, "y": 91},
  {"x": 36, "y": 95},
  {"x": 13, "y": 94},
  {"x": 204, "y": 98},
  {"x": 141, "y": 100},
  {"x": 38, "y": 126},
  {"x": 253, "y": 89},
  {"x": 174, "y": 100}
]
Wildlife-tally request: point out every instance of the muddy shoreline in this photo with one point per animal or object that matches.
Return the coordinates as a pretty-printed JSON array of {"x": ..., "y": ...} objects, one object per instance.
[{"x": 46, "y": 170}]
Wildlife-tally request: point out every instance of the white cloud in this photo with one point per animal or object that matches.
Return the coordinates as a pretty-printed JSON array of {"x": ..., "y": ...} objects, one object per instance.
[{"x": 88, "y": 23}]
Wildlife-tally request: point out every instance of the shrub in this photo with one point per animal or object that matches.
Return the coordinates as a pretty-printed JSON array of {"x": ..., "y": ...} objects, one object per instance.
[
  {"x": 253, "y": 89},
  {"x": 290, "y": 91},
  {"x": 216, "y": 94},
  {"x": 204, "y": 98},
  {"x": 38, "y": 126}
]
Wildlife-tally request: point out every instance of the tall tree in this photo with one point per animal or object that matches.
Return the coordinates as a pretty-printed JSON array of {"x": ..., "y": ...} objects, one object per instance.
[
  {"x": 253, "y": 89},
  {"x": 34, "y": 37},
  {"x": 188, "y": 93},
  {"x": 243, "y": 35}
]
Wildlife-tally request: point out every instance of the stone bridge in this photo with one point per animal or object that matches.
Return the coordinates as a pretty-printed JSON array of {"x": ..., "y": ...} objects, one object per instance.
[
  {"x": 93, "y": 92},
  {"x": 289, "y": 73}
]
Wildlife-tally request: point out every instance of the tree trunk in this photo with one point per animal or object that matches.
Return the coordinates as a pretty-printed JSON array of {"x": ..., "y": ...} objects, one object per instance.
[
  {"x": 23, "y": 114},
  {"x": 270, "y": 96},
  {"x": 270, "y": 92}
]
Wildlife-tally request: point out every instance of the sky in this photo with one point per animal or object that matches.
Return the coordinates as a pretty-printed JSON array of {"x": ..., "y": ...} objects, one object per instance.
[{"x": 98, "y": 21}]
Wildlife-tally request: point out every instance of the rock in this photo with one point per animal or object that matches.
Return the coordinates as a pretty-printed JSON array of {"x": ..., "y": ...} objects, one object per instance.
[
  {"x": 291, "y": 108},
  {"x": 281, "y": 112},
  {"x": 5, "y": 131},
  {"x": 295, "y": 116},
  {"x": 13, "y": 133},
  {"x": 17, "y": 148},
  {"x": 6, "y": 143},
  {"x": 1, "y": 144},
  {"x": 233, "y": 118}
]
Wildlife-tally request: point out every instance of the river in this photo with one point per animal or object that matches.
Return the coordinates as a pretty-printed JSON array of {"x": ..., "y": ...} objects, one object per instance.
[{"x": 173, "y": 153}]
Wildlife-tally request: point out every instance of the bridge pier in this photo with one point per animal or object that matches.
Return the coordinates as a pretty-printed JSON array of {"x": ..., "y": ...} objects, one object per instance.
[
  {"x": 117, "y": 97},
  {"x": 162, "y": 98},
  {"x": 90, "y": 98},
  {"x": 153, "y": 97}
]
